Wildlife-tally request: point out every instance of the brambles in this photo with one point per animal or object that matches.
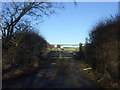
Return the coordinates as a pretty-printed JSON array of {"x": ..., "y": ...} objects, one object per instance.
[
  {"x": 25, "y": 50},
  {"x": 102, "y": 51}
]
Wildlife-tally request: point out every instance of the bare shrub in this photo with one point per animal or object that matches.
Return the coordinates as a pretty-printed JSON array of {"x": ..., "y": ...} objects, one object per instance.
[
  {"x": 26, "y": 48},
  {"x": 102, "y": 51}
]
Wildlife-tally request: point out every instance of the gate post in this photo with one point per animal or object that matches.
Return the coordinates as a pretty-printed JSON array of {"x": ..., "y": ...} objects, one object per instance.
[{"x": 80, "y": 46}]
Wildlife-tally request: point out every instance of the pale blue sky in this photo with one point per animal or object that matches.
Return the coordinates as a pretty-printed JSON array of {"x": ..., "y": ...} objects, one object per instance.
[{"x": 73, "y": 24}]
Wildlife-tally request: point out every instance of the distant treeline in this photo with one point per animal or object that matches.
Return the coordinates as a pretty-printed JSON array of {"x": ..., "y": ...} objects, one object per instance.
[{"x": 102, "y": 50}]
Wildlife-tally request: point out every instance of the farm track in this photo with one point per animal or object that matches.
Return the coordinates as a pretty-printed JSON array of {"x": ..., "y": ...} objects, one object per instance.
[{"x": 59, "y": 72}]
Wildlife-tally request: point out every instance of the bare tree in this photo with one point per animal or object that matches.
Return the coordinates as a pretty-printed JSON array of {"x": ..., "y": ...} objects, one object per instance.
[{"x": 15, "y": 15}]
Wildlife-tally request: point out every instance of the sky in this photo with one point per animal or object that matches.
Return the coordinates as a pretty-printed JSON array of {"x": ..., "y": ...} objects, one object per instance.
[{"x": 73, "y": 24}]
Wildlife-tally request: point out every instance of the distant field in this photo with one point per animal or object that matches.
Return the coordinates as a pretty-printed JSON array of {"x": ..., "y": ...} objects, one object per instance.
[{"x": 70, "y": 49}]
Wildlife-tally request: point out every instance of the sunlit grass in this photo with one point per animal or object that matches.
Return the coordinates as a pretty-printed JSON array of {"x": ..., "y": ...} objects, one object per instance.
[{"x": 13, "y": 73}]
